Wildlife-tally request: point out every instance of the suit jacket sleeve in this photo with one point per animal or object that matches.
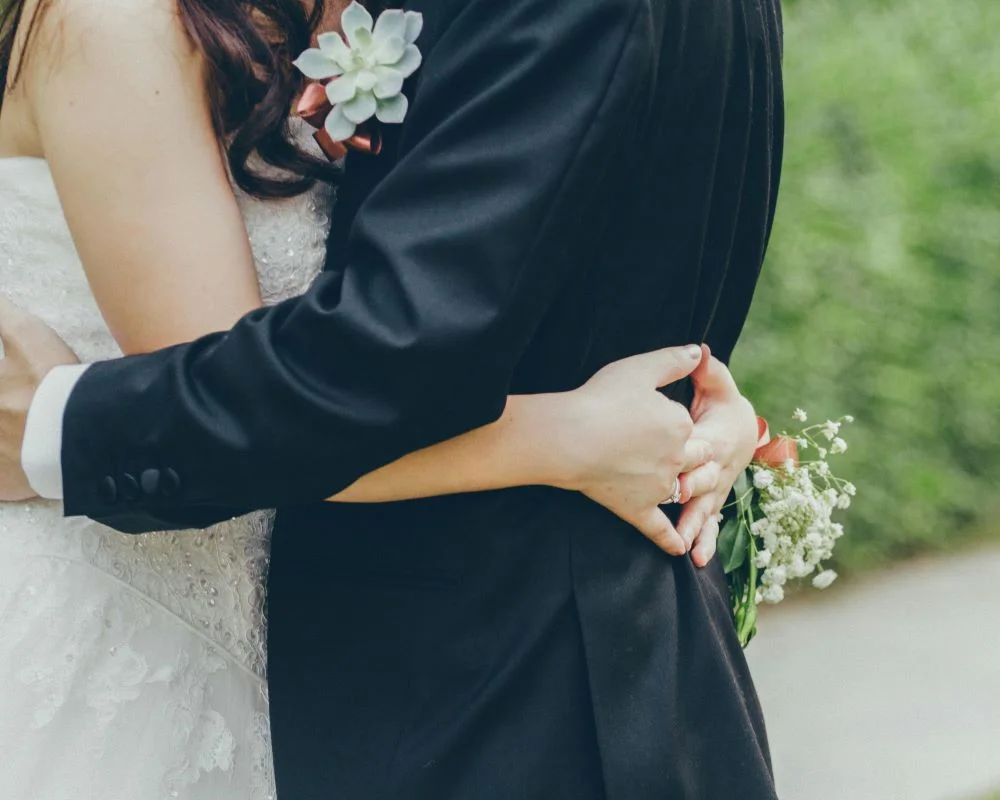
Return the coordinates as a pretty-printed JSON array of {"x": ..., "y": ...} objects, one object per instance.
[{"x": 452, "y": 262}]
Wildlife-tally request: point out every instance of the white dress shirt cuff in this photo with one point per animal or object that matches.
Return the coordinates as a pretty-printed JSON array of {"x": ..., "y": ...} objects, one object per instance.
[{"x": 41, "y": 453}]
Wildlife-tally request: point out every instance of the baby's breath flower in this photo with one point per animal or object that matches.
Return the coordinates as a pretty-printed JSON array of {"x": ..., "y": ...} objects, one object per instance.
[
  {"x": 830, "y": 429},
  {"x": 799, "y": 568},
  {"x": 848, "y": 419},
  {"x": 775, "y": 576},
  {"x": 824, "y": 579},
  {"x": 762, "y": 478},
  {"x": 772, "y": 594},
  {"x": 800, "y": 415},
  {"x": 838, "y": 446},
  {"x": 851, "y": 489},
  {"x": 763, "y": 558}
]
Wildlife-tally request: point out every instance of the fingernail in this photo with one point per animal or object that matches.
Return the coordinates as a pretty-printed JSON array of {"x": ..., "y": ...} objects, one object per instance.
[{"x": 693, "y": 351}]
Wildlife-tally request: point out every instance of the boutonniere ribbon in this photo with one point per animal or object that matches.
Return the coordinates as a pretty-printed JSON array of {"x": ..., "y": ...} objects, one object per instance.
[{"x": 359, "y": 78}]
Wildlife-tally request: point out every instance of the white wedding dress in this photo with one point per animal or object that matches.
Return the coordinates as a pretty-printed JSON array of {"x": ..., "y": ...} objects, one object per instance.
[{"x": 132, "y": 667}]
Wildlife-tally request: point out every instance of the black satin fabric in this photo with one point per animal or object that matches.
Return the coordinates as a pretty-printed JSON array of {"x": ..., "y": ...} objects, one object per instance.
[{"x": 575, "y": 182}]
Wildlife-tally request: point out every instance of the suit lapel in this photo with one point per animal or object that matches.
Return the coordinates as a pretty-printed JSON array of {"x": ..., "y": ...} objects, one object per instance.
[{"x": 362, "y": 173}]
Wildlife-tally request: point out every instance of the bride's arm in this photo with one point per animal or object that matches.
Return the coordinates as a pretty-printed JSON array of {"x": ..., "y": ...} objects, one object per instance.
[
  {"x": 616, "y": 439},
  {"x": 118, "y": 98},
  {"x": 532, "y": 443}
]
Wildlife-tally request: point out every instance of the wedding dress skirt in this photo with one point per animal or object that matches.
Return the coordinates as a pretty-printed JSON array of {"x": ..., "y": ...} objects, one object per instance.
[{"x": 132, "y": 667}]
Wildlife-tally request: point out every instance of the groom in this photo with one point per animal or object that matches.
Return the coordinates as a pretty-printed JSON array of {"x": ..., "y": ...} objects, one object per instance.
[{"x": 575, "y": 182}]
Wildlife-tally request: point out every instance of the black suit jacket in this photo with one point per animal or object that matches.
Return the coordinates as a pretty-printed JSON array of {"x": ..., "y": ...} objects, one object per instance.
[{"x": 575, "y": 182}]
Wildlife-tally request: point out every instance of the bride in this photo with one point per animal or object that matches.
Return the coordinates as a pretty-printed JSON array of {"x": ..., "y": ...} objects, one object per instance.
[{"x": 133, "y": 667}]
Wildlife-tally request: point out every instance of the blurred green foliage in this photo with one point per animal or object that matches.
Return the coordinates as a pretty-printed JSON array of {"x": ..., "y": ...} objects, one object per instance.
[{"x": 881, "y": 294}]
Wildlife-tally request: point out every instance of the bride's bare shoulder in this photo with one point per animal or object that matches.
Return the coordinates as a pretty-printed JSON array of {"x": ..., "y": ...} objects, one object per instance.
[
  {"x": 71, "y": 47},
  {"x": 130, "y": 36},
  {"x": 103, "y": 62}
]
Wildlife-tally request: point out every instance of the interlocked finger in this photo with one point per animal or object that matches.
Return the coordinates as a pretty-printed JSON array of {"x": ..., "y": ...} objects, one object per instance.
[
  {"x": 696, "y": 453},
  {"x": 694, "y": 517},
  {"x": 704, "y": 546},
  {"x": 700, "y": 481},
  {"x": 656, "y": 527}
]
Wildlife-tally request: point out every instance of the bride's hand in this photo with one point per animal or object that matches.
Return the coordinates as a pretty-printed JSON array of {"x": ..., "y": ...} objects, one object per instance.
[
  {"x": 627, "y": 443},
  {"x": 727, "y": 421}
]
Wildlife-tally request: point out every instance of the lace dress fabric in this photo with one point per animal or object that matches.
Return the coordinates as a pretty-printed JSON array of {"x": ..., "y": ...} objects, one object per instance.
[{"x": 132, "y": 666}]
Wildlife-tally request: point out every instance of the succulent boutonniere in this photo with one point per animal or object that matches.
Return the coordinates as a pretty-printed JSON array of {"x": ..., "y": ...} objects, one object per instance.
[{"x": 359, "y": 78}]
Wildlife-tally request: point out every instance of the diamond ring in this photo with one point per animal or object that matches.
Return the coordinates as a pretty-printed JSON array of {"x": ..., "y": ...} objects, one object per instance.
[{"x": 676, "y": 496}]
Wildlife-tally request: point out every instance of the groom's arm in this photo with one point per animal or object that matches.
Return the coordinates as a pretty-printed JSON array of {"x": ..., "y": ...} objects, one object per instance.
[{"x": 452, "y": 263}]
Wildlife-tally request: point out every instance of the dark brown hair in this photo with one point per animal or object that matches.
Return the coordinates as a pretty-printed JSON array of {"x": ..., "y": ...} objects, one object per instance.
[{"x": 248, "y": 47}]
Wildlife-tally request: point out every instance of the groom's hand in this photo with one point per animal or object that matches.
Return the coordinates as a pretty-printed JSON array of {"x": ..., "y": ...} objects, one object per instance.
[{"x": 31, "y": 350}]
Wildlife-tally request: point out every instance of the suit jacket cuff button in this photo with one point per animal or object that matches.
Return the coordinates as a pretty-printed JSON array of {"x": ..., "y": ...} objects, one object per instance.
[
  {"x": 150, "y": 481},
  {"x": 107, "y": 490},
  {"x": 128, "y": 488},
  {"x": 170, "y": 483}
]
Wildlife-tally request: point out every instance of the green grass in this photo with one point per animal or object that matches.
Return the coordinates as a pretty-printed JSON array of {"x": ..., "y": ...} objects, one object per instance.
[{"x": 881, "y": 295}]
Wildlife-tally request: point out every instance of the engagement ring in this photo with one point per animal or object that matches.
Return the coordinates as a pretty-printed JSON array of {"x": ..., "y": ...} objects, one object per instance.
[{"x": 676, "y": 496}]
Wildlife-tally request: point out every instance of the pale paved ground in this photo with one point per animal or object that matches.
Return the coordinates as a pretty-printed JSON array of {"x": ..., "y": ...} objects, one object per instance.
[{"x": 890, "y": 689}]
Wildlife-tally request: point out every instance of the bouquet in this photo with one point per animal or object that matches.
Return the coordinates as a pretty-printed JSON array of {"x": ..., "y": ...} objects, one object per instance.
[{"x": 779, "y": 526}]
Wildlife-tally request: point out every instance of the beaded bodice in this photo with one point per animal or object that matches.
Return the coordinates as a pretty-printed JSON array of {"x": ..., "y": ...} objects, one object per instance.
[{"x": 210, "y": 580}]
